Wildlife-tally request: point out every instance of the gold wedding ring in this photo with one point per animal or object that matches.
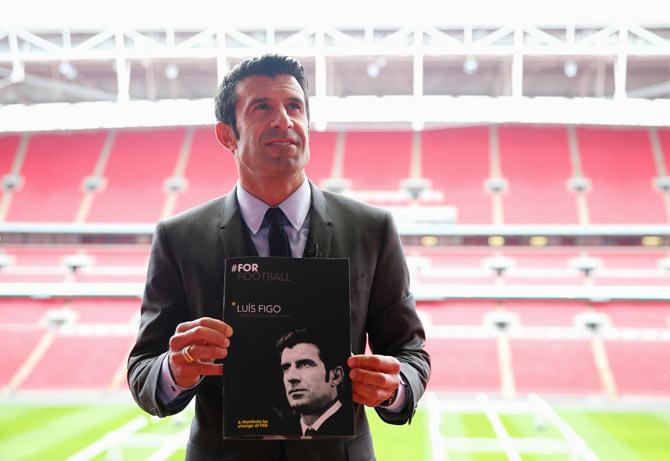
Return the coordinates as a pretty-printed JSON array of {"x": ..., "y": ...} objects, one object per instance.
[{"x": 188, "y": 357}]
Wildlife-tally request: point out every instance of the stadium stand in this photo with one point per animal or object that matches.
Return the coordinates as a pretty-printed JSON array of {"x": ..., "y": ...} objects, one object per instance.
[
  {"x": 456, "y": 161},
  {"x": 536, "y": 163},
  {"x": 17, "y": 345},
  {"x": 210, "y": 171},
  {"x": 377, "y": 161},
  {"x": 98, "y": 356},
  {"x": 664, "y": 140},
  {"x": 554, "y": 366},
  {"x": 139, "y": 164},
  {"x": 35, "y": 264},
  {"x": 26, "y": 312},
  {"x": 120, "y": 264},
  {"x": 322, "y": 146},
  {"x": 620, "y": 165},
  {"x": 152, "y": 173},
  {"x": 104, "y": 311},
  {"x": 544, "y": 312},
  {"x": 457, "y": 312},
  {"x": 53, "y": 172},
  {"x": 636, "y": 314},
  {"x": 640, "y": 367},
  {"x": 9, "y": 145},
  {"x": 464, "y": 365}
]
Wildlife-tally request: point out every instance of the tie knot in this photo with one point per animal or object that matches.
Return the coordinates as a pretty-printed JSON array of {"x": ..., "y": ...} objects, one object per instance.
[
  {"x": 310, "y": 431},
  {"x": 274, "y": 216}
]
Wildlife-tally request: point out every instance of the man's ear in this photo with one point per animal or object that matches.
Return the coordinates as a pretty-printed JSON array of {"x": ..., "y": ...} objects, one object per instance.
[
  {"x": 226, "y": 136},
  {"x": 336, "y": 375}
]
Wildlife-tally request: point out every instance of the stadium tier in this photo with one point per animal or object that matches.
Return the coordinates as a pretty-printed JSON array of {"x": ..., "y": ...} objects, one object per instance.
[
  {"x": 143, "y": 175},
  {"x": 469, "y": 313},
  {"x": 538, "y": 266},
  {"x": 53, "y": 169},
  {"x": 9, "y": 145},
  {"x": 100, "y": 358},
  {"x": 545, "y": 349},
  {"x": 70, "y": 263},
  {"x": 502, "y": 175},
  {"x": 377, "y": 160},
  {"x": 210, "y": 170},
  {"x": 554, "y": 366},
  {"x": 637, "y": 366},
  {"x": 139, "y": 164},
  {"x": 621, "y": 167},
  {"x": 322, "y": 147},
  {"x": 464, "y": 365},
  {"x": 637, "y": 314},
  {"x": 545, "y": 312},
  {"x": 97, "y": 311},
  {"x": 536, "y": 164},
  {"x": 430, "y": 266},
  {"x": 456, "y": 161},
  {"x": 664, "y": 141},
  {"x": 18, "y": 345}
]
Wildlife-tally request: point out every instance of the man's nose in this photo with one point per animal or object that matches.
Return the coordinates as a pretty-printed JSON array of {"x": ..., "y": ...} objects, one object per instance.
[
  {"x": 291, "y": 376},
  {"x": 282, "y": 120}
]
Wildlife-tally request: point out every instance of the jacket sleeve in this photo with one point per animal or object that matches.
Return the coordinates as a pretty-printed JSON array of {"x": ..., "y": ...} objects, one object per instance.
[
  {"x": 164, "y": 307},
  {"x": 393, "y": 325}
]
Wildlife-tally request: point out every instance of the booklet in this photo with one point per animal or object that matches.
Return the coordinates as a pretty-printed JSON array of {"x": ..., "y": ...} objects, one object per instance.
[{"x": 285, "y": 376}]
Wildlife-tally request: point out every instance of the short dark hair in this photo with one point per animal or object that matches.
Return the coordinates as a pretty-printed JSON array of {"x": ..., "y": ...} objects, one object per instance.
[
  {"x": 268, "y": 65},
  {"x": 330, "y": 356}
]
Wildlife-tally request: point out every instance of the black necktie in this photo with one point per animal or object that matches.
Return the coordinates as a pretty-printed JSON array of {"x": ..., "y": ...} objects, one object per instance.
[
  {"x": 277, "y": 238},
  {"x": 310, "y": 431}
]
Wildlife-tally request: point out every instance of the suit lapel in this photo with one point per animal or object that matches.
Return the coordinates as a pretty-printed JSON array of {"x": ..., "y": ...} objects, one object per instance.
[
  {"x": 232, "y": 233},
  {"x": 321, "y": 226}
]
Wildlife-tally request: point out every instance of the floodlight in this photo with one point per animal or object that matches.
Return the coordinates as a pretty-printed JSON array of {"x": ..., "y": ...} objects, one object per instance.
[
  {"x": 67, "y": 70},
  {"x": 172, "y": 71},
  {"x": 570, "y": 68},
  {"x": 375, "y": 66},
  {"x": 373, "y": 70},
  {"x": 470, "y": 65}
]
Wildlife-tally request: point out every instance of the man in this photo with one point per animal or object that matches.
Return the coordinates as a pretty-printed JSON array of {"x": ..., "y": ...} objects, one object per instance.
[
  {"x": 313, "y": 376},
  {"x": 262, "y": 109}
]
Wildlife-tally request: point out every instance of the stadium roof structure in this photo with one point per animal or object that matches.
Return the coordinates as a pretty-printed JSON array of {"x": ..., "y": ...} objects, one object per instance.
[{"x": 81, "y": 65}]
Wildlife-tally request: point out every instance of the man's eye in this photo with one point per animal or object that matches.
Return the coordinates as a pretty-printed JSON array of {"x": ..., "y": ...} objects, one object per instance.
[
  {"x": 295, "y": 106},
  {"x": 263, "y": 106}
]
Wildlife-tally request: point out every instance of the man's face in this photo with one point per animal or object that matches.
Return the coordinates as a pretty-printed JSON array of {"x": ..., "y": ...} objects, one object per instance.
[
  {"x": 273, "y": 128},
  {"x": 307, "y": 388}
]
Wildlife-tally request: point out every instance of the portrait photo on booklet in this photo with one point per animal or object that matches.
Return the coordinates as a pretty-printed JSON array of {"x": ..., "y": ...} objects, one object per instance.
[{"x": 285, "y": 376}]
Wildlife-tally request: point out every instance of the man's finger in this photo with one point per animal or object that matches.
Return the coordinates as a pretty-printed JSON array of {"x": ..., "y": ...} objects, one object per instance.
[
  {"x": 197, "y": 369},
  {"x": 367, "y": 396},
  {"x": 374, "y": 378},
  {"x": 188, "y": 374},
  {"x": 214, "y": 324},
  {"x": 382, "y": 363},
  {"x": 198, "y": 335},
  {"x": 202, "y": 353}
]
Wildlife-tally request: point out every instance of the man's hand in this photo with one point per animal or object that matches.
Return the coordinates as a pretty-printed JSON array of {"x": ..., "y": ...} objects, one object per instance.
[
  {"x": 375, "y": 378},
  {"x": 194, "y": 347}
]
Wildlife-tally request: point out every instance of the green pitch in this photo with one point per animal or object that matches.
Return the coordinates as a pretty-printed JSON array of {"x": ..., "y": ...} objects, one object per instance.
[{"x": 46, "y": 432}]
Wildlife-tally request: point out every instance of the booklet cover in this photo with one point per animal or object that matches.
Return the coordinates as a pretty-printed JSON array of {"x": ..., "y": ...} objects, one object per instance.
[{"x": 285, "y": 376}]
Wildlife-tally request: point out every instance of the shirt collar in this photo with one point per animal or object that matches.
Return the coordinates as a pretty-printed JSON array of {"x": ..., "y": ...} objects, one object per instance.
[
  {"x": 322, "y": 419},
  {"x": 295, "y": 207}
]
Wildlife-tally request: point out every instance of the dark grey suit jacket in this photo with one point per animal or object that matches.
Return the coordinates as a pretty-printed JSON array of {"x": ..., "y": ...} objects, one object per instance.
[{"x": 185, "y": 282}]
